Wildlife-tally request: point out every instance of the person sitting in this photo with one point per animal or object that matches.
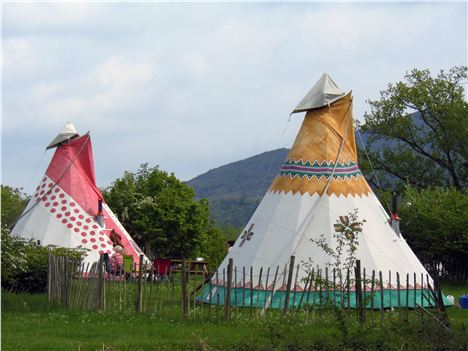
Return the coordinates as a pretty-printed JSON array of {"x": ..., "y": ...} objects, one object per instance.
[{"x": 116, "y": 261}]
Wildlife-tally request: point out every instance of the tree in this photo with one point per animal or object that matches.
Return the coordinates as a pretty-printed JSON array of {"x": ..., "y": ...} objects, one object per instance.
[
  {"x": 13, "y": 203},
  {"x": 418, "y": 129},
  {"x": 434, "y": 224},
  {"x": 160, "y": 211}
]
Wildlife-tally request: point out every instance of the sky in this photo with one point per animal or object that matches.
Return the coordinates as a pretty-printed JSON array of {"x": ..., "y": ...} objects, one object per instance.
[{"x": 193, "y": 86}]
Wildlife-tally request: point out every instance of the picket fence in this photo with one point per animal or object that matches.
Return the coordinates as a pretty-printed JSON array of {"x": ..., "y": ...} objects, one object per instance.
[{"x": 235, "y": 293}]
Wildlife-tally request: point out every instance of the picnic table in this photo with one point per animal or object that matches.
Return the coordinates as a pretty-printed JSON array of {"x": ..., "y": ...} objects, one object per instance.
[{"x": 194, "y": 266}]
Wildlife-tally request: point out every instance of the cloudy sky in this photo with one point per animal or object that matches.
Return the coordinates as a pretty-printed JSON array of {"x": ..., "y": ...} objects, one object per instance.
[{"x": 192, "y": 86}]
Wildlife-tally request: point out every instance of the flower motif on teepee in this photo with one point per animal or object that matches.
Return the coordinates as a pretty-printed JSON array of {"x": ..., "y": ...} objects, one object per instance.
[
  {"x": 247, "y": 235},
  {"x": 347, "y": 228}
]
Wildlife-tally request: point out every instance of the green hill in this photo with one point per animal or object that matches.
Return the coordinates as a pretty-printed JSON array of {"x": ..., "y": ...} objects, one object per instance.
[{"x": 234, "y": 190}]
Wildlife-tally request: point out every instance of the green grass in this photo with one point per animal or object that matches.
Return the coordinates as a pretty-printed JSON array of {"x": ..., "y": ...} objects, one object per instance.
[
  {"x": 457, "y": 316},
  {"x": 30, "y": 323}
]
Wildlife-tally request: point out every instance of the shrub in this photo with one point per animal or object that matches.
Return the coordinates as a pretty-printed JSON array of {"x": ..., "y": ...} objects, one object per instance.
[{"x": 24, "y": 263}]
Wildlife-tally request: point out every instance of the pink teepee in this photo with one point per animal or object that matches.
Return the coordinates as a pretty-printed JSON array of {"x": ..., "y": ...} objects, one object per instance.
[{"x": 68, "y": 209}]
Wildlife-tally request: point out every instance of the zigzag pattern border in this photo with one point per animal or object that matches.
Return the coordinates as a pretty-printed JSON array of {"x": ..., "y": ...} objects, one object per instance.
[{"x": 318, "y": 170}]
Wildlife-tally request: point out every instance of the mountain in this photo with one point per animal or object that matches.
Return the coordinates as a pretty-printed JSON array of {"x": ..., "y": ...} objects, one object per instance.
[{"x": 234, "y": 190}]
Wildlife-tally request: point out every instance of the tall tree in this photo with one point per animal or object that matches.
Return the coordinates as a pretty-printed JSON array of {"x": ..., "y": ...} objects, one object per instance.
[
  {"x": 418, "y": 129},
  {"x": 161, "y": 211}
]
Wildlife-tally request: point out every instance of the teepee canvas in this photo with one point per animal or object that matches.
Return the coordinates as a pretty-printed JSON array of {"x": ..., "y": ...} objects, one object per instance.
[
  {"x": 317, "y": 188},
  {"x": 67, "y": 208}
]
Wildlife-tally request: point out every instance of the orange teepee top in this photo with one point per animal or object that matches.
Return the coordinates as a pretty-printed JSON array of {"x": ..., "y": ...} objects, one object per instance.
[{"x": 323, "y": 157}]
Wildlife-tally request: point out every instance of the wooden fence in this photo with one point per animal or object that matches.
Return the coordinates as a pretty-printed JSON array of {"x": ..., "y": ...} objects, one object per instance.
[{"x": 236, "y": 293}]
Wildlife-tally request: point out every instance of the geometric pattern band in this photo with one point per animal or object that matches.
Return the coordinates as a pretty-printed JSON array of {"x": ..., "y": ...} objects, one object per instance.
[{"x": 300, "y": 169}]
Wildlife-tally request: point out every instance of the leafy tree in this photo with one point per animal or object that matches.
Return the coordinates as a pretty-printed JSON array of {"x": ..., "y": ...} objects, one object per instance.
[
  {"x": 231, "y": 232},
  {"x": 435, "y": 225},
  {"x": 13, "y": 203},
  {"x": 160, "y": 211},
  {"x": 418, "y": 129}
]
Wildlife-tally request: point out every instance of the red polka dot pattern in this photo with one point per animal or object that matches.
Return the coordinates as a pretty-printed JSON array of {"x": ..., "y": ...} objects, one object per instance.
[{"x": 72, "y": 216}]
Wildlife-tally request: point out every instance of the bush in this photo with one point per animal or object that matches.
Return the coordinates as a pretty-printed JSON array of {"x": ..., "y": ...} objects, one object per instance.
[{"x": 24, "y": 263}]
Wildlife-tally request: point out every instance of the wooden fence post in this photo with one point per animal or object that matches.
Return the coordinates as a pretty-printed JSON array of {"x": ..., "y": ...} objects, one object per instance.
[
  {"x": 67, "y": 281},
  {"x": 382, "y": 292},
  {"x": 139, "y": 293},
  {"x": 100, "y": 293},
  {"x": 288, "y": 284},
  {"x": 358, "y": 291},
  {"x": 49, "y": 277},
  {"x": 184, "y": 289},
  {"x": 227, "y": 298}
]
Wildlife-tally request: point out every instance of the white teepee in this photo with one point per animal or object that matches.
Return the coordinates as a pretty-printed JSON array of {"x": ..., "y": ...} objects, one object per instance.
[{"x": 316, "y": 189}]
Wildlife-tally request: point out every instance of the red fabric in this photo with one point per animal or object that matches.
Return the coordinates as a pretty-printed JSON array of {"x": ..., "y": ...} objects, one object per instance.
[
  {"x": 72, "y": 168},
  {"x": 161, "y": 266}
]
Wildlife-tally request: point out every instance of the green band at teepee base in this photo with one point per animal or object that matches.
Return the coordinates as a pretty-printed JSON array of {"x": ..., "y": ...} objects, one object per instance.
[{"x": 261, "y": 298}]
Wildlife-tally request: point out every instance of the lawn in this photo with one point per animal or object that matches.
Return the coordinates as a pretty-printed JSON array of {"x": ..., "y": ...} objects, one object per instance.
[{"x": 30, "y": 323}]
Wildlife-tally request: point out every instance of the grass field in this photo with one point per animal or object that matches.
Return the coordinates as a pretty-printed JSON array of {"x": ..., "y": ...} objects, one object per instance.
[{"x": 30, "y": 323}]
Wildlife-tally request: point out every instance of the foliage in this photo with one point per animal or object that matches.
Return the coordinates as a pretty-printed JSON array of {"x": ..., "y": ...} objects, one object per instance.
[
  {"x": 231, "y": 232},
  {"x": 160, "y": 211},
  {"x": 417, "y": 130},
  {"x": 24, "y": 263},
  {"x": 234, "y": 211},
  {"x": 13, "y": 203},
  {"x": 434, "y": 222}
]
